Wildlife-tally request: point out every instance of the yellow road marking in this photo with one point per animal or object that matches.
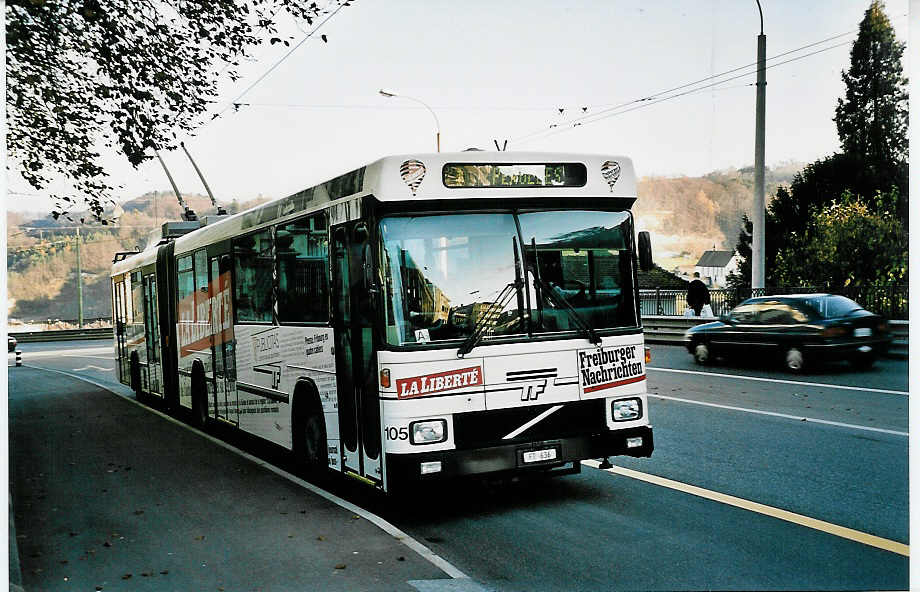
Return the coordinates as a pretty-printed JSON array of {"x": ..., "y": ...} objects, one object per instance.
[{"x": 841, "y": 531}]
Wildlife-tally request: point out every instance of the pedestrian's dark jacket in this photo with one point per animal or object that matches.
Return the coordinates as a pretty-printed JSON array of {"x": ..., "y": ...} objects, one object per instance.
[{"x": 697, "y": 296}]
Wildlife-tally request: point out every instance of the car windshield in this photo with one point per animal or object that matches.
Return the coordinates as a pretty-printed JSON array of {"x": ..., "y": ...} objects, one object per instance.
[
  {"x": 832, "y": 307},
  {"x": 448, "y": 276}
]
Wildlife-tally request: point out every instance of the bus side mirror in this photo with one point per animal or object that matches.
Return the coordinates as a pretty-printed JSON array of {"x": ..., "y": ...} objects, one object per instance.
[{"x": 645, "y": 251}]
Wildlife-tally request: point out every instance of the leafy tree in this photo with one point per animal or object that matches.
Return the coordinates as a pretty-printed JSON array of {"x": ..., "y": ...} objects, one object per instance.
[
  {"x": 852, "y": 241},
  {"x": 129, "y": 75}
]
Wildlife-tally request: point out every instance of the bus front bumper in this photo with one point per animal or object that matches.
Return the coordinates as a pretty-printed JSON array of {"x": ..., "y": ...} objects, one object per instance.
[{"x": 402, "y": 468}]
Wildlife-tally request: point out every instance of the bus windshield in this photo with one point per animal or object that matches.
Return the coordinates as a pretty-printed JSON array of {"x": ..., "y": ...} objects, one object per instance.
[{"x": 448, "y": 276}]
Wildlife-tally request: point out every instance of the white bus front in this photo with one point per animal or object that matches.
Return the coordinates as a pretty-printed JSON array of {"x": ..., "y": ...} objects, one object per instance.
[{"x": 512, "y": 340}]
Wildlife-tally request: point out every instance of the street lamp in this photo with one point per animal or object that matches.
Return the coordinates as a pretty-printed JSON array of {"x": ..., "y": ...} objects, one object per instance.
[
  {"x": 425, "y": 105},
  {"x": 758, "y": 244}
]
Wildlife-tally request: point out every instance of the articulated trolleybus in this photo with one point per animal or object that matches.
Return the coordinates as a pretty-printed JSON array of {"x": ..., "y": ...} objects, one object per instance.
[{"x": 422, "y": 317}]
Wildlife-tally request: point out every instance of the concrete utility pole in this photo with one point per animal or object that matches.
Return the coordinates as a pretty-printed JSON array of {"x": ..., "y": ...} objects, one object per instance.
[
  {"x": 79, "y": 284},
  {"x": 758, "y": 244}
]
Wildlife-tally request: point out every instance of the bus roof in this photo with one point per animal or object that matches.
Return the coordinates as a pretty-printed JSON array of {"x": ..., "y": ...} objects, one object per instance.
[{"x": 415, "y": 177}]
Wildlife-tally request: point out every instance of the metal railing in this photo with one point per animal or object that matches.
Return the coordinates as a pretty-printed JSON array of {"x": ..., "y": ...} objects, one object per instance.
[
  {"x": 890, "y": 301},
  {"x": 62, "y": 334}
]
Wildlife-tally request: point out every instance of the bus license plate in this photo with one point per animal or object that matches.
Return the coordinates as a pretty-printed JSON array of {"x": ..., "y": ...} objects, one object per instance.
[
  {"x": 862, "y": 332},
  {"x": 533, "y": 456}
]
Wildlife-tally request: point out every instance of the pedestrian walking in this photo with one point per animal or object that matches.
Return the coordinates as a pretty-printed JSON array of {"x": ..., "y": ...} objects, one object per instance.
[{"x": 697, "y": 295}]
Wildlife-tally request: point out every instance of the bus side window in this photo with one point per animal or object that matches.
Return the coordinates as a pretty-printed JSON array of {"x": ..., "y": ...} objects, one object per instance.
[
  {"x": 303, "y": 288},
  {"x": 185, "y": 283},
  {"x": 201, "y": 286},
  {"x": 252, "y": 286}
]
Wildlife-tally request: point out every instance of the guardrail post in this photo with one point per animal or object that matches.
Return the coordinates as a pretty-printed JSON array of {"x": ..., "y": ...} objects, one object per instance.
[
  {"x": 18, "y": 358},
  {"x": 658, "y": 301}
]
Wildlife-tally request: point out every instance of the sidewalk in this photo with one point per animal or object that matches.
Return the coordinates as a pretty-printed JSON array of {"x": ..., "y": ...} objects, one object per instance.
[{"x": 107, "y": 495}]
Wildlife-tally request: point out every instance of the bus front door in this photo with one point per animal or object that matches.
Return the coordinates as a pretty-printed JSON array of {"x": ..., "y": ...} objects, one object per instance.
[{"x": 356, "y": 380}]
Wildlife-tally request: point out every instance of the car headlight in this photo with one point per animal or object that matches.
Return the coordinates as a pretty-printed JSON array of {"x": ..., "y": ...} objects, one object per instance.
[
  {"x": 429, "y": 431},
  {"x": 626, "y": 409}
]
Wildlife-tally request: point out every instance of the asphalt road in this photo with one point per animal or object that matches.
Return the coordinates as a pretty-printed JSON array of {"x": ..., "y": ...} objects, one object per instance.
[
  {"x": 107, "y": 495},
  {"x": 759, "y": 480}
]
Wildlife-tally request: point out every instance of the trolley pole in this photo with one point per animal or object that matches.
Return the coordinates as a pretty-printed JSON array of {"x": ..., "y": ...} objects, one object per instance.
[{"x": 79, "y": 283}]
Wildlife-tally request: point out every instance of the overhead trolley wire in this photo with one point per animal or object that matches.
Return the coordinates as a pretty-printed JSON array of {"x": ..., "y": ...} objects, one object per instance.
[
  {"x": 657, "y": 98},
  {"x": 235, "y": 102}
]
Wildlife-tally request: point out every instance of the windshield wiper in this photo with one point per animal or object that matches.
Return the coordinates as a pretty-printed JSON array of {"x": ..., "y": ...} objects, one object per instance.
[
  {"x": 488, "y": 318},
  {"x": 495, "y": 309},
  {"x": 560, "y": 302}
]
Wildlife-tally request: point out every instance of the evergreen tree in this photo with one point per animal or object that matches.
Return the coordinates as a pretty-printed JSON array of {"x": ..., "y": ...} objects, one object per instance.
[
  {"x": 872, "y": 116},
  {"x": 740, "y": 279}
]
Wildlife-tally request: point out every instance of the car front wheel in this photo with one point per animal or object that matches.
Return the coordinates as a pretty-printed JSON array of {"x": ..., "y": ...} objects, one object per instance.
[
  {"x": 795, "y": 361},
  {"x": 701, "y": 354}
]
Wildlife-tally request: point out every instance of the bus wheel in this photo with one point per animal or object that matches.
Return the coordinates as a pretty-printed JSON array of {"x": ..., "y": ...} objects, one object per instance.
[
  {"x": 309, "y": 446},
  {"x": 199, "y": 397},
  {"x": 313, "y": 454}
]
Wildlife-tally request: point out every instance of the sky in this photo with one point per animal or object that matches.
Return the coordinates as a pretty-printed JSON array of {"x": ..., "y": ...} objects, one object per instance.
[{"x": 502, "y": 70}]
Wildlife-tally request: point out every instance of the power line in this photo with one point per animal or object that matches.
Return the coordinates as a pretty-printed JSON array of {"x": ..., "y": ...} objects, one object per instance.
[
  {"x": 777, "y": 56},
  {"x": 235, "y": 102},
  {"x": 648, "y": 102},
  {"x": 395, "y": 108},
  {"x": 651, "y": 98}
]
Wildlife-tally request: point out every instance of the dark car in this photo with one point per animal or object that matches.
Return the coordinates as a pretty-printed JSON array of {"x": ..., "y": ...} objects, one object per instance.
[
  {"x": 796, "y": 329},
  {"x": 11, "y": 342}
]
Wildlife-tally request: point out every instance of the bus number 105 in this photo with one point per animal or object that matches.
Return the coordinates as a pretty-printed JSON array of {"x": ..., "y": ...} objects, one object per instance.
[{"x": 401, "y": 433}]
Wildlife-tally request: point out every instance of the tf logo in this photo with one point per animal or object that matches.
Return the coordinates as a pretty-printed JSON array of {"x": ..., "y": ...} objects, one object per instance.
[{"x": 533, "y": 390}]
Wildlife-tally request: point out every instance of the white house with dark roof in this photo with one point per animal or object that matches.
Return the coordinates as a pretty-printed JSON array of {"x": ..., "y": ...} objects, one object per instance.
[{"x": 714, "y": 267}]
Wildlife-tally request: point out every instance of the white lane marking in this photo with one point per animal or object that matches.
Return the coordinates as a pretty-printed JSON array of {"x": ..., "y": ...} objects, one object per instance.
[
  {"x": 385, "y": 526},
  {"x": 802, "y": 520},
  {"x": 783, "y": 415},
  {"x": 106, "y": 358},
  {"x": 533, "y": 422},
  {"x": 90, "y": 366},
  {"x": 780, "y": 381}
]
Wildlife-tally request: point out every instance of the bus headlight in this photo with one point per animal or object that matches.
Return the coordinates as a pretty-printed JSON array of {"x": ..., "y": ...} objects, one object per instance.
[
  {"x": 626, "y": 409},
  {"x": 429, "y": 431}
]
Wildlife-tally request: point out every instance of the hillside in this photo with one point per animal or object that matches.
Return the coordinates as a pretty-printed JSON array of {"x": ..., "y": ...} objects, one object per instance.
[
  {"x": 41, "y": 255},
  {"x": 689, "y": 215},
  {"x": 685, "y": 215}
]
